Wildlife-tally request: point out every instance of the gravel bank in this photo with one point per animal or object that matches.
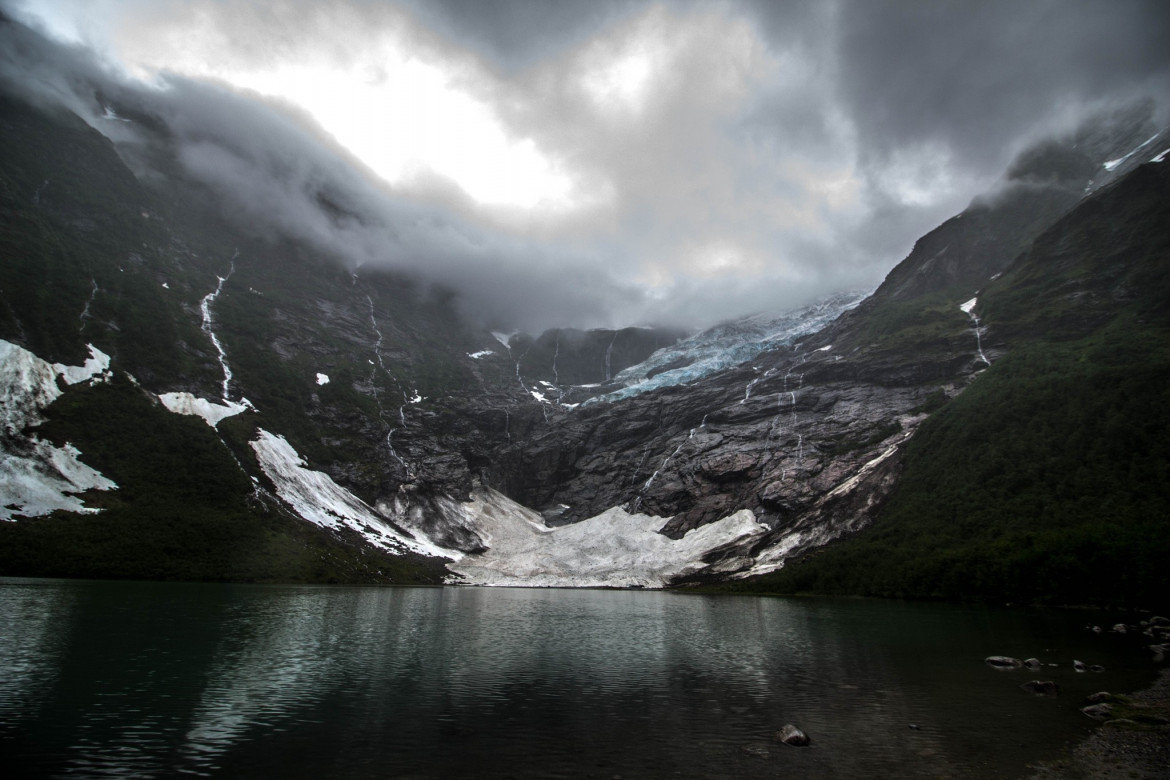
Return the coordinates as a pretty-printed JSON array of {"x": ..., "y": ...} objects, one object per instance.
[{"x": 1121, "y": 748}]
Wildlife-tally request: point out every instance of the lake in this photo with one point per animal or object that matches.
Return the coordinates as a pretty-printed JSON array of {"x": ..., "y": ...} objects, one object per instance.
[{"x": 132, "y": 679}]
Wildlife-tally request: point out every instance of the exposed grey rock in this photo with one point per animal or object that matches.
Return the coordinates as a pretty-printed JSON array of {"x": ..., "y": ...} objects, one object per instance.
[
  {"x": 791, "y": 735},
  {"x": 1098, "y": 711},
  {"x": 1033, "y": 663},
  {"x": 1003, "y": 662},
  {"x": 1041, "y": 687}
]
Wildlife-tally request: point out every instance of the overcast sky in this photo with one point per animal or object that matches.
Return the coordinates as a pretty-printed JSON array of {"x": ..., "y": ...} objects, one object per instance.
[{"x": 604, "y": 162}]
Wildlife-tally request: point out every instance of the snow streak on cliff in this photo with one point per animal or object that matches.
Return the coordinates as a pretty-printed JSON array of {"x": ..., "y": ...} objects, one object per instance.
[{"x": 317, "y": 498}]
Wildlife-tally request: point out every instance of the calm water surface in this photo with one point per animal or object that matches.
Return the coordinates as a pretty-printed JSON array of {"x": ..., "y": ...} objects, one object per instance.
[{"x": 103, "y": 679}]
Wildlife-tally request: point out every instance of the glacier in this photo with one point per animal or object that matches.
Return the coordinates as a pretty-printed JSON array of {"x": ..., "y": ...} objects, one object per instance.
[
  {"x": 36, "y": 477},
  {"x": 727, "y": 345}
]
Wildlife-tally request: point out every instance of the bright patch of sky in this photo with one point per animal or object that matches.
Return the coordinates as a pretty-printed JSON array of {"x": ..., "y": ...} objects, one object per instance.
[{"x": 382, "y": 92}]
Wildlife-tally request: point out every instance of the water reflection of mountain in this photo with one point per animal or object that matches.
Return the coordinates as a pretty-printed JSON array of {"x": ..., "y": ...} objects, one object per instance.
[{"x": 149, "y": 679}]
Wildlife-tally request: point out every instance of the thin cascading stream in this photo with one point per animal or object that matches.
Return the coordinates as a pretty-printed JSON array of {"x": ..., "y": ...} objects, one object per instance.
[
  {"x": 381, "y": 364},
  {"x": 609, "y": 358},
  {"x": 85, "y": 315},
  {"x": 968, "y": 308},
  {"x": 208, "y": 326},
  {"x": 637, "y": 502}
]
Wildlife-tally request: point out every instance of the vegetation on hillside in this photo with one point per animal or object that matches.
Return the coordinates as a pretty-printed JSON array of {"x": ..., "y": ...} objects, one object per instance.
[
  {"x": 184, "y": 508},
  {"x": 1048, "y": 479}
]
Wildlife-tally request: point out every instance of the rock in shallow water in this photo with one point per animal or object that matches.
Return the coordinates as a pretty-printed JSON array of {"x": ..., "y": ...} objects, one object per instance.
[
  {"x": 791, "y": 735},
  {"x": 1041, "y": 687},
  {"x": 1003, "y": 662}
]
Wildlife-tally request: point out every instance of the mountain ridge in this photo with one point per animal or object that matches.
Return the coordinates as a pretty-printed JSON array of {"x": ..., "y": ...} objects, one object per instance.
[{"x": 381, "y": 391}]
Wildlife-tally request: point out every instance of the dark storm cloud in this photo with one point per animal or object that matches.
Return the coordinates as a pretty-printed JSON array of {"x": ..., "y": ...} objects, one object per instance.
[
  {"x": 518, "y": 33},
  {"x": 776, "y": 152},
  {"x": 273, "y": 168},
  {"x": 980, "y": 76}
]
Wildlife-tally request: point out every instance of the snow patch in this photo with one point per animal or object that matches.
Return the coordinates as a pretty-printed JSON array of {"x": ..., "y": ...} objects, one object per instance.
[
  {"x": 37, "y": 478},
  {"x": 322, "y": 379},
  {"x": 481, "y": 354},
  {"x": 96, "y": 365},
  {"x": 1113, "y": 164},
  {"x": 317, "y": 498},
  {"x": 503, "y": 338},
  {"x": 869, "y": 466},
  {"x": 1160, "y": 156},
  {"x": 212, "y": 413},
  {"x": 612, "y": 549},
  {"x": 969, "y": 306},
  {"x": 44, "y": 479}
]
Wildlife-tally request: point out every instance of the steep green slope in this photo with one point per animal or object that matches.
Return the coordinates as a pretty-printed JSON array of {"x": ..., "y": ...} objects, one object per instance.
[{"x": 1048, "y": 479}]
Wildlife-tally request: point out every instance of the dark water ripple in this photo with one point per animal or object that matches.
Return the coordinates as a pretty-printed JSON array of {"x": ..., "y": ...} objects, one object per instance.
[{"x": 156, "y": 680}]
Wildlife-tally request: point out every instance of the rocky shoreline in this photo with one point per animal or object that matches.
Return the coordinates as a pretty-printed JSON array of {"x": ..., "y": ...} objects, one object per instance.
[{"x": 1133, "y": 743}]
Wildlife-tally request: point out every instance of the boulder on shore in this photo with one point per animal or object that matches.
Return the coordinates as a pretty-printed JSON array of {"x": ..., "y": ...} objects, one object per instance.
[{"x": 1098, "y": 711}]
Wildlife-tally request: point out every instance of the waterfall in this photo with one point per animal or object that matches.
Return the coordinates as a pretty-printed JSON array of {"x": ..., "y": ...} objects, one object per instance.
[
  {"x": 608, "y": 355},
  {"x": 519, "y": 378},
  {"x": 775, "y": 422},
  {"x": 556, "y": 352},
  {"x": 205, "y": 307},
  {"x": 968, "y": 308},
  {"x": 85, "y": 315},
  {"x": 378, "y": 396},
  {"x": 646, "y": 486},
  {"x": 747, "y": 393}
]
